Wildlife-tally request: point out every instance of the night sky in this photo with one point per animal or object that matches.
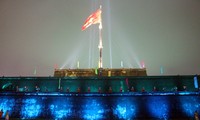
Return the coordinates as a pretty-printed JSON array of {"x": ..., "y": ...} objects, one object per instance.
[{"x": 37, "y": 36}]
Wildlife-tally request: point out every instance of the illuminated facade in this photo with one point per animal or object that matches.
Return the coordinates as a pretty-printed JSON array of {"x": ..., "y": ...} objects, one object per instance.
[{"x": 171, "y": 100}]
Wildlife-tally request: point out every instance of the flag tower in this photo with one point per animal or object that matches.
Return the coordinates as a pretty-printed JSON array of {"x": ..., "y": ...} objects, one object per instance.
[{"x": 95, "y": 18}]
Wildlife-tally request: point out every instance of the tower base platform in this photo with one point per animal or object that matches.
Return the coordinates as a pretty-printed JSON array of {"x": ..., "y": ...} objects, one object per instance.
[{"x": 100, "y": 72}]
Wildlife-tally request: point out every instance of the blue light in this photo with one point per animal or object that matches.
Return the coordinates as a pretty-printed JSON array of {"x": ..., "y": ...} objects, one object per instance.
[
  {"x": 6, "y": 104},
  {"x": 61, "y": 108},
  {"x": 62, "y": 113},
  {"x": 189, "y": 105},
  {"x": 31, "y": 108},
  {"x": 125, "y": 108},
  {"x": 196, "y": 82},
  {"x": 158, "y": 107},
  {"x": 93, "y": 109},
  {"x": 121, "y": 110}
]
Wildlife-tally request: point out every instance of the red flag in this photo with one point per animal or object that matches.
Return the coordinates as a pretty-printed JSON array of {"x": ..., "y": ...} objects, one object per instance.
[{"x": 94, "y": 18}]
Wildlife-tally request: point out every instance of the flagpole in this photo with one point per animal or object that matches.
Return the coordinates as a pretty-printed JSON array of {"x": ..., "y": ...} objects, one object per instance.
[
  {"x": 100, "y": 43},
  {"x": 95, "y": 18}
]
